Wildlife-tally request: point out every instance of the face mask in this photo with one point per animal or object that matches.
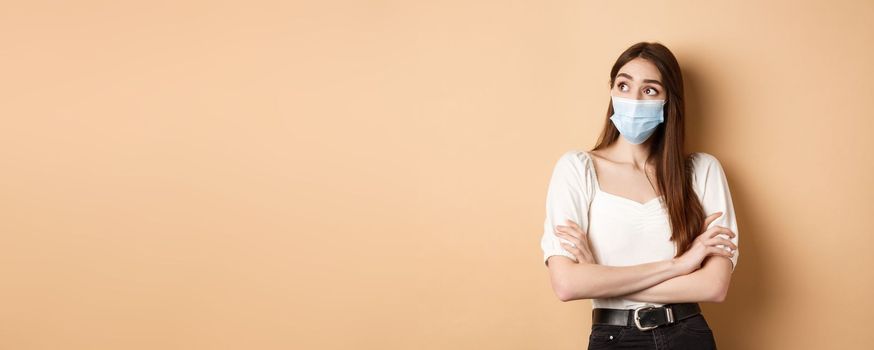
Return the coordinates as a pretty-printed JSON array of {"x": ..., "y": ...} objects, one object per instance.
[{"x": 636, "y": 120}]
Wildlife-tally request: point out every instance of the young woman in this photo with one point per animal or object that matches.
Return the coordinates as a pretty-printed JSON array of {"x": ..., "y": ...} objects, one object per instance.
[{"x": 636, "y": 224}]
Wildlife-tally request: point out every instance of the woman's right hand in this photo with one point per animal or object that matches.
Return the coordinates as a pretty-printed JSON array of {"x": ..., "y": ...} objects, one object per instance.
[{"x": 705, "y": 245}]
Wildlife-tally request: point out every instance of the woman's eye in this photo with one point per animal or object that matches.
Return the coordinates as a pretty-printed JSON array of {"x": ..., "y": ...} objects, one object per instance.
[
  {"x": 654, "y": 91},
  {"x": 621, "y": 85}
]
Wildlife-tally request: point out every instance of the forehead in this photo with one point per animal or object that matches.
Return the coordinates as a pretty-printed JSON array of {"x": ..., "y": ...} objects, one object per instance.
[{"x": 641, "y": 69}]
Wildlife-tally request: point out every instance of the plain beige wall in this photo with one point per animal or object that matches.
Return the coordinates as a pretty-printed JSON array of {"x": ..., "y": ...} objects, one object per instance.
[{"x": 372, "y": 174}]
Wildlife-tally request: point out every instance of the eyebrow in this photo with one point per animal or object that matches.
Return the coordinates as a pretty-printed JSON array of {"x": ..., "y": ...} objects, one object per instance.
[{"x": 645, "y": 80}]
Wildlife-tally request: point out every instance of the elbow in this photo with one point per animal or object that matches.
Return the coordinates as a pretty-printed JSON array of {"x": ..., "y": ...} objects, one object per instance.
[
  {"x": 563, "y": 297},
  {"x": 566, "y": 284},
  {"x": 568, "y": 295},
  {"x": 562, "y": 290},
  {"x": 719, "y": 293},
  {"x": 718, "y": 298},
  {"x": 566, "y": 290}
]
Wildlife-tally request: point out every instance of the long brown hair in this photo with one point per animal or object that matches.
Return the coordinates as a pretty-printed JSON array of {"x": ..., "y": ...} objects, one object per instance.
[{"x": 673, "y": 169}]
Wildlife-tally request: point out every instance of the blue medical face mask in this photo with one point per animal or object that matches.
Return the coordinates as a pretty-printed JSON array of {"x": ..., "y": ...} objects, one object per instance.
[{"x": 636, "y": 120}]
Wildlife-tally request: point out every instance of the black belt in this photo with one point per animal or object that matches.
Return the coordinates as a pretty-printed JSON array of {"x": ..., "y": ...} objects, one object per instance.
[{"x": 645, "y": 317}]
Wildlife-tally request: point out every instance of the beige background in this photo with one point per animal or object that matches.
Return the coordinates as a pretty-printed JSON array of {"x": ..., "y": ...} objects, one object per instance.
[{"x": 372, "y": 174}]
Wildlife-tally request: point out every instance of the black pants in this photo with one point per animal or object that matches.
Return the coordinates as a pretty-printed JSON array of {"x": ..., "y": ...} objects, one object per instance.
[{"x": 688, "y": 333}]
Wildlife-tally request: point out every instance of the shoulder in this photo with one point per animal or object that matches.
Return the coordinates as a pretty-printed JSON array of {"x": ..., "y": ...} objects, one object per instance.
[
  {"x": 574, "y": 158},
  {"x": 574, "y": 155},
  {"x": 573, "y": 162},
  {"x": 706, "y": 168},
  {"x": 574, "y": 171},
  {"x": 701, "y": 161}
]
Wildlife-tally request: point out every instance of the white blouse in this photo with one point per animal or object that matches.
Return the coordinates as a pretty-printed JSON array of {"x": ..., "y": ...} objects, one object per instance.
[{"x": 621, "y": 231}]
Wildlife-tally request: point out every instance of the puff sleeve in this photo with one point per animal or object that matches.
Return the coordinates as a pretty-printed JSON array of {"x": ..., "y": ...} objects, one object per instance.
[
  {"x": 712, "y": 187},
  {"x": 566, "y": 198}
]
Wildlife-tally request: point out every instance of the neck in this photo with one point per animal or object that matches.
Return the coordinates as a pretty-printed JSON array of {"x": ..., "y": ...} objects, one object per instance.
[{"x": 627, "y": 152}]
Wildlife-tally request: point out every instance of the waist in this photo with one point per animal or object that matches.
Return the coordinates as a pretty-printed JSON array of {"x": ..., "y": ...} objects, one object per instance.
[
  {"x": 645, "y": 317},
  {"x": 619, "y": 303}
]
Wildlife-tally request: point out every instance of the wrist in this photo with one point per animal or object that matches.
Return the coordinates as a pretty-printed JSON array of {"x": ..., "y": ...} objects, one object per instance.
[{"x": 678, "y": 267}]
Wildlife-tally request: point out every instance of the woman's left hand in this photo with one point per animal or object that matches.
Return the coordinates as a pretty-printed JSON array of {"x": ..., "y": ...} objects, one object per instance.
[{"x": 575, "y": 234}]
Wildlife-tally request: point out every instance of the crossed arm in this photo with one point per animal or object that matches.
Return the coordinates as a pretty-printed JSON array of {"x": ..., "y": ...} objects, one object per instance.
[
  {"x": 657, "y": 282},
  {"x": 707, "y": 284}
]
